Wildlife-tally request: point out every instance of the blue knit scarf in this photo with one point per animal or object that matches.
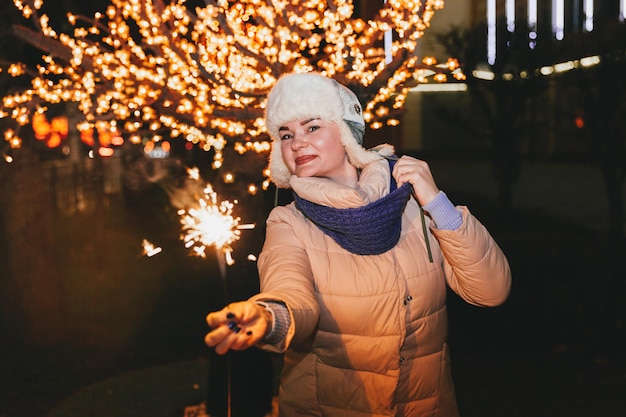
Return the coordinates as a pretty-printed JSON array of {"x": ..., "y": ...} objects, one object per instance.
[{"x": 368, "y": 230}]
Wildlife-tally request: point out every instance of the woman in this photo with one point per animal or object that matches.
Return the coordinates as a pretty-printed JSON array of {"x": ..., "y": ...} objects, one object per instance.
[{"x": 353, "y": 275}]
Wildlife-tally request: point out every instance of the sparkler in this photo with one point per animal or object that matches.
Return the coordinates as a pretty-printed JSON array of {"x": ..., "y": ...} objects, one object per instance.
[{"x": 211, "y": 224}]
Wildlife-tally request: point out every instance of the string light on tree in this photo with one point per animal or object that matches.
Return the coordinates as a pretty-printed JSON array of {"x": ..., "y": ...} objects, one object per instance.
[{"x": 152, "y": 68}]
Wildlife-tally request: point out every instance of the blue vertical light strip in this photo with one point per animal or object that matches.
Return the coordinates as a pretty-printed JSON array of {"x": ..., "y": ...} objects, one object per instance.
[
  {"x": 532, "y": 14},
  {"x": 588, "y": 11},
  {"x": 388, "y": 42},
  {"x": 510, "y": 15},
  {"x": 558, "y": 19},
  {"x": 491, "y": 32},
  {"x": 532, "y": 23}
]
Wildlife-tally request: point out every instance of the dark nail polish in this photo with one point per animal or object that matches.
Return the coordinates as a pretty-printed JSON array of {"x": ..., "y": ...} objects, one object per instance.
[
  {"x": 232, "y": 325},
  {"x": 249, "y": 333},
  {"x": 230, "y": 315},
  {"x": 237, "y": 329}
]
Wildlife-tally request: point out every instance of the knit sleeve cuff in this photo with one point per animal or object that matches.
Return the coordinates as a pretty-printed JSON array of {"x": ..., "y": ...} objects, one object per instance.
[
  {"x": 280, "y": 322},
  {"x": 443, "y": 213}
]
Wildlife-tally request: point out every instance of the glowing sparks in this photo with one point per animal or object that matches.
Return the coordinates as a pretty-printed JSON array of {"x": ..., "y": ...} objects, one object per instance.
[
  {"x": 149, "y": 249},
  {"x": 211, "y": 224}
]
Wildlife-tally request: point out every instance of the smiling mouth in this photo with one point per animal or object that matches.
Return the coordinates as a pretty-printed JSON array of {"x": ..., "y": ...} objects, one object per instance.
[{"x": 304, "y": 159}]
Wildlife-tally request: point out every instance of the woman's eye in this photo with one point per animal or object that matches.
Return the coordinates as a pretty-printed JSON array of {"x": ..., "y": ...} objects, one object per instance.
[
  {"x": 313, "y": 128},
  {"x": 286, "y": 136}
]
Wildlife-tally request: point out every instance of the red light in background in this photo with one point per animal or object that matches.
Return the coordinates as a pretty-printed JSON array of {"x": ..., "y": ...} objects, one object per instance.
[{"x": 580, "y": 122}]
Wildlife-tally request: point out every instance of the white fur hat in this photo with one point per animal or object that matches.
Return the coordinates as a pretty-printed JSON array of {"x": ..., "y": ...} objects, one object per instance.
[{"x": 300, "y": 96}]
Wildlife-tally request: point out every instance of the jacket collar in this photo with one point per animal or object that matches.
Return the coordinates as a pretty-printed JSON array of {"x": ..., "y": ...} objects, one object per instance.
[{"x": 374, "y": 180}]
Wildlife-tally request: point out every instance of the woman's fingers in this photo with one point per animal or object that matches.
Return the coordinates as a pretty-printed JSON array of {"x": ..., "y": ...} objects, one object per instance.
[
  {"x": 238, "y": 326},
  {"x": 418, "y": 174}
]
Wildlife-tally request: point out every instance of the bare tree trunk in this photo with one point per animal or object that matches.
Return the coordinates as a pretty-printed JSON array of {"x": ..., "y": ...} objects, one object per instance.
[{"x": 32, "y": 295}]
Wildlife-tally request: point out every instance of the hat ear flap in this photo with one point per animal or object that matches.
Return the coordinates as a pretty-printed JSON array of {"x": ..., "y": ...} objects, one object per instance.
[
  {"x": 279, "y": 173},
  {"x": 357, "y": 154}
]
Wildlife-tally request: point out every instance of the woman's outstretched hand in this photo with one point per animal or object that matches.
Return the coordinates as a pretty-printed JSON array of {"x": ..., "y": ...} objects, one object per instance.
[
  {"x": 417, "y": 173},
  {"x": 238, "y": 326}
]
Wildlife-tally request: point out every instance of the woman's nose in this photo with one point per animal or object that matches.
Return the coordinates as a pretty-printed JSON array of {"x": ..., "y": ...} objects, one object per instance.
[{"x": 299, "y": 142}]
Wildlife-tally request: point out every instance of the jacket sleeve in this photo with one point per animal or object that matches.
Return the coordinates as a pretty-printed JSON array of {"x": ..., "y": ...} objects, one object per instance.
[
  {"x": 475, "y": 267},
  {"x": 285, "y": 276}
]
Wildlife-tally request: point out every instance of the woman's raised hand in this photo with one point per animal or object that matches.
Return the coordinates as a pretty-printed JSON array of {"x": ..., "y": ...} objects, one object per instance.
[
  {"x": 417, "y": 173},
  {"x": 238, "y": 326}
]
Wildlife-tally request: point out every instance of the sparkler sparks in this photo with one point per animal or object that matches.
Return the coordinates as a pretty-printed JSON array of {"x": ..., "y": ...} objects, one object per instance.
[
  {"x": 211, "y": 224},
  {"x": 149, "y": 249}
]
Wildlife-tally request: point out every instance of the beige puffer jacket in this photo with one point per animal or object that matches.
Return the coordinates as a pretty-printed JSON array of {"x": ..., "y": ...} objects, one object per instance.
[{"x": 368, "y": 333}]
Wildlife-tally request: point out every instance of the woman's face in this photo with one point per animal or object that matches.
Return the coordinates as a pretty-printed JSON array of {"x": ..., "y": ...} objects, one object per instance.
[{"x": 313, "y": 148}]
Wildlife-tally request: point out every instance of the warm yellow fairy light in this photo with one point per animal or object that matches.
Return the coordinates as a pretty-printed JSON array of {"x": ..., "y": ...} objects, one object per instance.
[
  {"x": 15, "y": 70},
  {"x": 229, "y": 178}
]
